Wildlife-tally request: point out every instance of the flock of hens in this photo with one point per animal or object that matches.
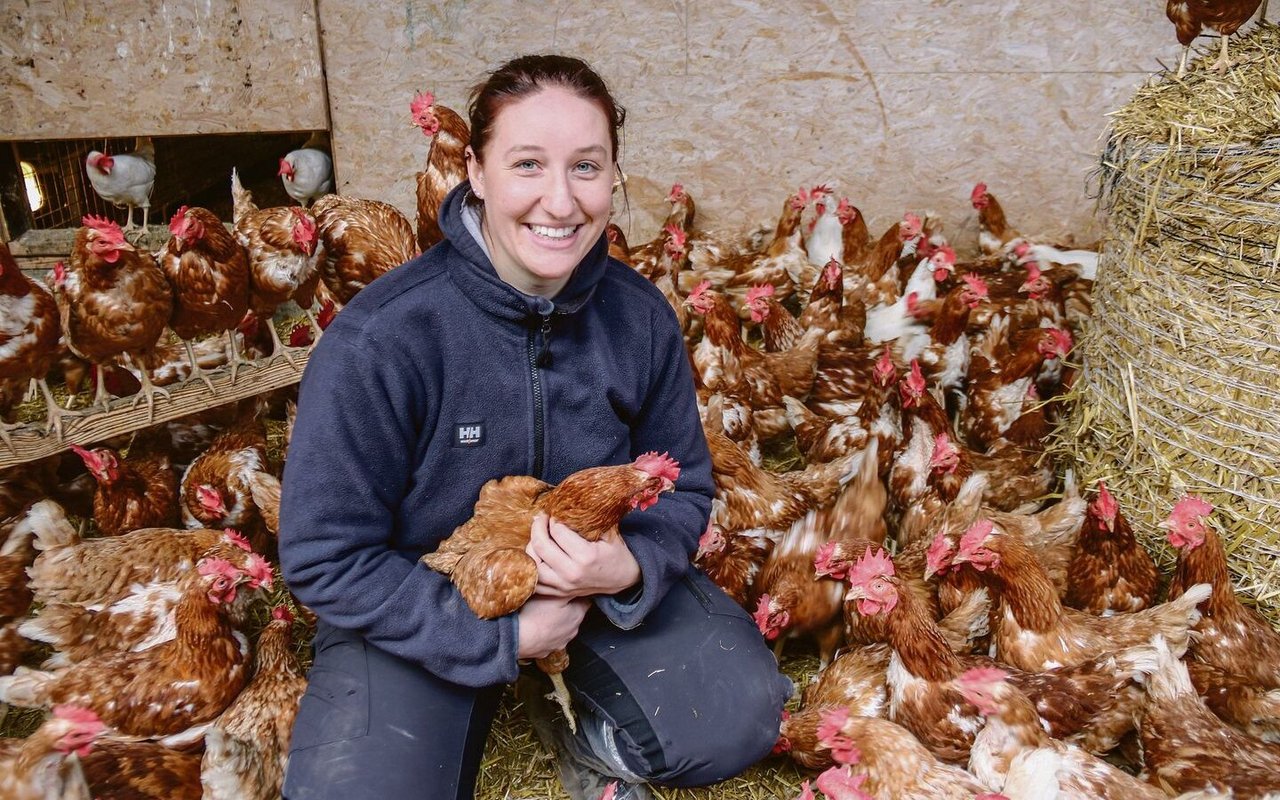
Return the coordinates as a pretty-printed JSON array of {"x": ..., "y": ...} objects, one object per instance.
[{"x": 985, "y": 628}]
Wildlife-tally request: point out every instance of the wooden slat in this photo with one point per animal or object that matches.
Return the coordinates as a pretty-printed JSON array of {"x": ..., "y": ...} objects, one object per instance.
[{"x": 30, "y": 441}]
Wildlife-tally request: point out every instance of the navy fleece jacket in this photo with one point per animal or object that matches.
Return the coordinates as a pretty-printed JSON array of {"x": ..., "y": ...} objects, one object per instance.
[{"x": 438, "y": 377}]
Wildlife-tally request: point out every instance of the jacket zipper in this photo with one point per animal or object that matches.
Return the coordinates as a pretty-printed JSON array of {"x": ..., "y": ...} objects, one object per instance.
[{"x": 539, "y": 356}]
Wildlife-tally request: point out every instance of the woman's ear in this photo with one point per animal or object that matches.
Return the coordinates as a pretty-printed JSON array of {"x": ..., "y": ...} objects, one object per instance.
[{"x": 474, "y": 172}]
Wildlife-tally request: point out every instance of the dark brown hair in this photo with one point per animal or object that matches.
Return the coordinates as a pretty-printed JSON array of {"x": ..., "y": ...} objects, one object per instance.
[{"x": 525, "y": 75}]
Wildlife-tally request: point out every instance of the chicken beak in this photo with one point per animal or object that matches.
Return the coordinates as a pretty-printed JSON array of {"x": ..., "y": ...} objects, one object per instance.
[
  {"x": 124, "y": 245},
  {"x": 855, "y": 592}
]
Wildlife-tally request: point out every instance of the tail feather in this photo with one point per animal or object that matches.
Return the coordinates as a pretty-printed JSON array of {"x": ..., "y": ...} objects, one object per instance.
[
  {"x": 265, "y": 489},
  {"x": 1170, "y": 679},
  {"x": 241, "y": 199},
  {"x": 48, "y": 522},
  {"x": 26, "y": 688},
  {"x": 145, "y": 148},
  {"x": 225, "y": 760},
  {"x": 57, "y": 624}
]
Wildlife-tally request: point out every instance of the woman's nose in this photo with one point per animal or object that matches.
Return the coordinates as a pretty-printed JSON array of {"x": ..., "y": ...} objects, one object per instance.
[{"x": 558, "y": 200}]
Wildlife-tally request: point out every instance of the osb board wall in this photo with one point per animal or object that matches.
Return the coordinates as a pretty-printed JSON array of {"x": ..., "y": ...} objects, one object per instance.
[
  {"x": 898, "y": 104},
  {"x": 82, "y": 69}
]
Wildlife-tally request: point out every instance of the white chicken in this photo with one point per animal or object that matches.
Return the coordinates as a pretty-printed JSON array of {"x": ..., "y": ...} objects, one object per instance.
[
  {"x": 307, "y": 174},
  {"x": 125, "y": 180}
]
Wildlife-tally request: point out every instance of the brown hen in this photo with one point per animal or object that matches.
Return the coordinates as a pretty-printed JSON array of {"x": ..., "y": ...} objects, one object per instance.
[
  {"x": 362, "y": 239},
  {"x": 209, "y": 272},
  {"x": 485, "y": 556},
  {"x": 113, "y": 301},
  {"x": 164, "y": 691},
  {"x": 28, "y": 341},
  {"x": 446, "y": 167},
  {"x": 247, "y": 749}
]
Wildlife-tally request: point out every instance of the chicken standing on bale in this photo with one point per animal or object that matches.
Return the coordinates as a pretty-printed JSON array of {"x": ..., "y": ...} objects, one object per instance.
[
  {"x": 485, "y": 556},
  {"x": 1189, "y": 17}
]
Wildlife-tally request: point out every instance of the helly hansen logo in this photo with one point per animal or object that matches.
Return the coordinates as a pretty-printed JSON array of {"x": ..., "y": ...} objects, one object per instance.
[{"x": 468, "y": 434}]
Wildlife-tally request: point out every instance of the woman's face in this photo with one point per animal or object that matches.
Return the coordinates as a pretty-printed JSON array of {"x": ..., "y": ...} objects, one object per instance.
[{"x": 547, "y": 183}]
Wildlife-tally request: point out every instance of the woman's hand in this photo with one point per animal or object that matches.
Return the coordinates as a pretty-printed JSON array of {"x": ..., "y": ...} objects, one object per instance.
[
  {"x": 570, "y": 566},
  {"x": 547, "y": 624}
]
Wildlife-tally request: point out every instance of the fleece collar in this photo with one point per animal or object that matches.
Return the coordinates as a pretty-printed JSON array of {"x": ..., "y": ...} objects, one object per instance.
[{"x": 473, "y": 272}]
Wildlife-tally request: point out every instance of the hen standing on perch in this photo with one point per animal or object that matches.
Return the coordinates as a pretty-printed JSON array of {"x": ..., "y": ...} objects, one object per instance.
[{"x": 125, "y": 180}]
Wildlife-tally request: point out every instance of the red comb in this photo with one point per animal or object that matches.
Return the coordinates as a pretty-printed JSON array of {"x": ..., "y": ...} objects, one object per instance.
[
  {"x": 1061, "y": 340},
  {"x": 1104, "y": 505},
  {"x": 235, "y": 537},
  {"x": 700, "y": 290},
  {"x": 421, "y": 104},
  {"x": 757, "y": 292},
  {"x": 982, "y": 676},
  {"x": 915, "y": 380},
  {"x": 659, "y": 466},
  {"x": 976, "y": 535},
  {"x": 977, "y": 285},
  {"x": 870, "y": 566},
  {"x": 676, "y": 238},
  {"x": 1190, "y": 505},
  {"x": 283, "y": 613},
  {"x": 175, "y": 223},
  {"x": 978, "y": 197},
  {"x": 102, "y": 225},
  {"x": 676, "y": 194},
  {"x": 938, "y": 557},
  {"x": 259, "y": 572}
]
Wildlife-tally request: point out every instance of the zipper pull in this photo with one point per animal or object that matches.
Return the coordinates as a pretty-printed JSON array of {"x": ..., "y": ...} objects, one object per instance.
[{"x": 544, "y": 353}]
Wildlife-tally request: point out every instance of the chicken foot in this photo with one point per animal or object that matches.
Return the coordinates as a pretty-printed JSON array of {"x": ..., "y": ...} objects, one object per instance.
[
  {"x": 197, "y": 373},
  {"x": 554, "y": 666},
  {"x": 148, "y": 391}
]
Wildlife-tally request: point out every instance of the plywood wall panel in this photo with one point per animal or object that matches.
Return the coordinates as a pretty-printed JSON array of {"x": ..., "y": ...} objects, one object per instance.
[
  {"x": 901, "y": 105},
  {"x": 160, "y": 67}
]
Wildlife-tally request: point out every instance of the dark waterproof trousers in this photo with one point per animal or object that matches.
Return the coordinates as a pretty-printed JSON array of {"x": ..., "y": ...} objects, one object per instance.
[{"x": 693, "y": 696}]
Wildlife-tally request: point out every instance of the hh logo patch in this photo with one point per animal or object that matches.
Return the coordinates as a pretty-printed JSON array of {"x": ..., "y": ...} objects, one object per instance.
[{"x": 468, "y": 434}]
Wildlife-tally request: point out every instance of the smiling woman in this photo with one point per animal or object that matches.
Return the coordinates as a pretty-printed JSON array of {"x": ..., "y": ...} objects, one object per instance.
[
  {"x": 548, "y": 174},
  {"x": 513, "y": 354}
]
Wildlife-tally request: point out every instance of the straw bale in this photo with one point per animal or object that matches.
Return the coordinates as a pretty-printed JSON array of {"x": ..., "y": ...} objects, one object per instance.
[{"x": 1181, "y": 365}]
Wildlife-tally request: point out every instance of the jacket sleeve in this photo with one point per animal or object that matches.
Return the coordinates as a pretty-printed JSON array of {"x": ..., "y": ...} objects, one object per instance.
[
  {"x": 349, "y": 465},
  {"x": 664, "y": 536}
]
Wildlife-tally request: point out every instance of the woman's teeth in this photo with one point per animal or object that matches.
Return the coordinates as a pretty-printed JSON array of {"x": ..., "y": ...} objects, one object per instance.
[{"x": 553, "y": 233}]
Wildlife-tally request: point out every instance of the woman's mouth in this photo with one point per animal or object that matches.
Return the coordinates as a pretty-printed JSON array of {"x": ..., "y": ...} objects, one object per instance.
[{"x": 554, "y": 233}]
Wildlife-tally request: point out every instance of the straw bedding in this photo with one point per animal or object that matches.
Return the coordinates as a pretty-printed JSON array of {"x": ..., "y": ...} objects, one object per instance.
[{"x": 1180, "y": 390}]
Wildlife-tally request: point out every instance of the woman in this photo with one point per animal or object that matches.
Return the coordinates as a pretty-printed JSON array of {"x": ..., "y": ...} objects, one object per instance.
[{"x": 516, "y": 346}]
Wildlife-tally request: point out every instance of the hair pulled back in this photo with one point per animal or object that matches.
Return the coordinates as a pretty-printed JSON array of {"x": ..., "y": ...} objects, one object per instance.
[{"x": 525, "y": 75}]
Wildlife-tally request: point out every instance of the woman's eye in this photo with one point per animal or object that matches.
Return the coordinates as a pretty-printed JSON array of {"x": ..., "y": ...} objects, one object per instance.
[
  {"x": 527, "y": 164},
  {"x": 585, "y": 168}
]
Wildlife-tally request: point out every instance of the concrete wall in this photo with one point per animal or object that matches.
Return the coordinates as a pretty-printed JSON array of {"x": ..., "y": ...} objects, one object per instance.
[{"x": 899, "y": 104}]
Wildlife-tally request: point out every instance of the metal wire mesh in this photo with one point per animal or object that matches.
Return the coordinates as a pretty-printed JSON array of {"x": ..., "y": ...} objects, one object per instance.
[{"x": 190, "y": 170}]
